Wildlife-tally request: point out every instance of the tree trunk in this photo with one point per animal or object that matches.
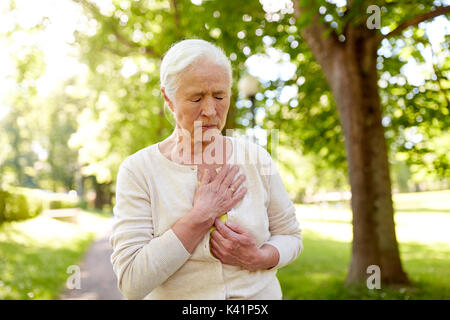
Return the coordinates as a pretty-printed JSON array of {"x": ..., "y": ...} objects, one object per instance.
[
  {"x": 355, "y": 89},
  {"x": 350, "y": 69},
  {"x": 101, "y": 194}
]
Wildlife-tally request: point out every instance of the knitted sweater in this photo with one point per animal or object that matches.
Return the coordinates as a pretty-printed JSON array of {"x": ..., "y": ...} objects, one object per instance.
[{"x": 153, "y": 192}]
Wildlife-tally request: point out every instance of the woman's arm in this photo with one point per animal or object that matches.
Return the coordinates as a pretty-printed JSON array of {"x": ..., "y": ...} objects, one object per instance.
[
  {"x": 283, "y": 225},
  {"x": 211, "y": 199},
  {"x": 234, "y": 245},
  {"x": 191, "y": 229},
  {"x": 140, "y": 261}
]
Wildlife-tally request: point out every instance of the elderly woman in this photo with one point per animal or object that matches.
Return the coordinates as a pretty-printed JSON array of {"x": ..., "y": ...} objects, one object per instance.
[{"x": 200, "y": 215}]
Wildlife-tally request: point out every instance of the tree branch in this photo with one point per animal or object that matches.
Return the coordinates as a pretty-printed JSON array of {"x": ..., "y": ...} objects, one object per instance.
[
  {"x": 418, "y": 19},
  {"x": 113, "y": 28},
  {"x": 313, "y": 33},
  {"x": 145, "y": 49},
  {"x": 176, "y": 16},
  {"x": 438, "y": 74}
]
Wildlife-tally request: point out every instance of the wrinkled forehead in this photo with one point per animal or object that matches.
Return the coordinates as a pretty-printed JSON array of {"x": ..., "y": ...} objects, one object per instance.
[{"x": 204, "y": 76}]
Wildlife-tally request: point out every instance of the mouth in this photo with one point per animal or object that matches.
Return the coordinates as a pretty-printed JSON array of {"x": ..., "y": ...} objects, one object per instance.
[{"x": 206, "y": 127}]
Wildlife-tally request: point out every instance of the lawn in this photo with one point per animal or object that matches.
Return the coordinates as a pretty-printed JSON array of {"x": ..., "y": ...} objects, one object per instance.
[
  {"x": 424, "y": 243},
  {"x": 35, "y": 254}
]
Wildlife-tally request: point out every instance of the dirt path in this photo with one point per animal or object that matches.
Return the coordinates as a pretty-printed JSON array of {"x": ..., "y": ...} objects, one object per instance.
[{"x": 98, "y": 281}]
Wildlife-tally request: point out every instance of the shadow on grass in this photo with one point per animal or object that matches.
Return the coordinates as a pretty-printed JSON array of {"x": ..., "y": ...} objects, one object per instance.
[
  {"x": 37, "y": 271},
  {"x": 320, "y": 271}
]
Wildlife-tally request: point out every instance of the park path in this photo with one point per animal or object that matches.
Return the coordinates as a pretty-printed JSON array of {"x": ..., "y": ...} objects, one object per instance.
[{"x": 98, "y": 281}]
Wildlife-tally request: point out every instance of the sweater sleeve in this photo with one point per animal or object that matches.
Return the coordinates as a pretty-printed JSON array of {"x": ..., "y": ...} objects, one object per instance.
[
  {"x": 140, "y": 261},
  {"x": 283, "y": 225}
]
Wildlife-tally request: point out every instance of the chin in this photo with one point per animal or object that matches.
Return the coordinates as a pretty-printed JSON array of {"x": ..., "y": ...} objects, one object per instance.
[
  {"x": 212, "y": 131},
  {"x": 209, "y": 134}
]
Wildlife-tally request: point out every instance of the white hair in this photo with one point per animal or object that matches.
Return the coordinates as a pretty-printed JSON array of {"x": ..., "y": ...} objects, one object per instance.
[{"x": 183, "y": 54}]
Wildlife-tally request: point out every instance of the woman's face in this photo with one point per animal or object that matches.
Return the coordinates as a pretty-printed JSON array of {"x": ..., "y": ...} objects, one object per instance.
[{"x": 203, "y": 95}]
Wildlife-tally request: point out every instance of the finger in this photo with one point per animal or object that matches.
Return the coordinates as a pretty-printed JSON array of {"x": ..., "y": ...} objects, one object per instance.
[
  {"x": 239, "y": 195},
  {"x": 222, "y": 173},
  {"x": 205, "y": 177},
  {"x": 229, "y": 193},
  {"x": 236, "y": 228},
  {"x": 237, "y": 183},
  {"x": 216, "y": 245},
  {"x": 216, "y": 236},
  {"x": 216, "y": 253},
  {"x": 229, "y": 178},
  {"x": 224, "y": 231},
  {"x": 219, "y": 244}
]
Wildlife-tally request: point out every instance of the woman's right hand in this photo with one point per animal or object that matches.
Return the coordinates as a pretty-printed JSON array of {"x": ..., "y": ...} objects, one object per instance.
[{"x": 218, "y": 195}]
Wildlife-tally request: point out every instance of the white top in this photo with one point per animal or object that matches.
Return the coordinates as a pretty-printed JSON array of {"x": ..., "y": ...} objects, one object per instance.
[{"x": 153, "y": 192}]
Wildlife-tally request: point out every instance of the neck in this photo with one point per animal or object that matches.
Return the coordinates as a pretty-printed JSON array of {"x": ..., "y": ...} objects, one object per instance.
[{"x": 190, "y": 149}]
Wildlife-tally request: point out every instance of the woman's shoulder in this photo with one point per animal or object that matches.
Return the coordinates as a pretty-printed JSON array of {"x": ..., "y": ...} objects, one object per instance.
[
  {"x": 248, "y": 145},
  {"x": 250, "y": 152},
  {"x": 139, "y": 157}
]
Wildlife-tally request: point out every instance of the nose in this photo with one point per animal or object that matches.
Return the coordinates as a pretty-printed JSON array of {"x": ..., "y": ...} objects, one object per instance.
[{"x": 209, "y": 108}]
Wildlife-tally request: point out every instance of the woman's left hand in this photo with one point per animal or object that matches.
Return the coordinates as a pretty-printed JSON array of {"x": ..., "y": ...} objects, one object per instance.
[{"x": 234, "y": 245}]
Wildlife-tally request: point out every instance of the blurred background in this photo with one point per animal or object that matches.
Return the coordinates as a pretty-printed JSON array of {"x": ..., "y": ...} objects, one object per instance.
[{"x": 79, "y": 92}]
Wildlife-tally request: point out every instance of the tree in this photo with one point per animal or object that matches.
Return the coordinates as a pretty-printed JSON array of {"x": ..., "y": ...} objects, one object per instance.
[
  {"x": 137, "y": 34},
  {"x": 349, "y": 62},
  {"x": 16, "y": 165},
  {"x": 337, "y": 113},
  {"x": 38, "y": 125}
]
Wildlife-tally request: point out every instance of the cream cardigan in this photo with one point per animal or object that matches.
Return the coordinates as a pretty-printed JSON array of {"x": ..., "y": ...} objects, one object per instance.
[{"x": 152, "y": 193}]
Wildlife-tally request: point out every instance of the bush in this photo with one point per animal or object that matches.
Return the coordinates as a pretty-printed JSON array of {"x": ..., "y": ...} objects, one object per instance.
[
  {"x": 61, "y": 204},
  {"x": 83, "y": 204},
  {"x": 22, "y": 203},
  {"x": 16, "y": 207}
]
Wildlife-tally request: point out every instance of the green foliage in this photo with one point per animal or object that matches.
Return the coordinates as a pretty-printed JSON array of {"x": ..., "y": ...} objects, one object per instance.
[
  {"x": 137, "y": 117},
  {"x": 31, "y": 272},
  {"x": 311, "y": 118},
  {"x": 89, "y": 127},
  {"x": 320, "y": 270},
  {"x": 35, "y": 121},
  {"x": 22, "y": 203},
  {"x": 17, "y": 207},
  {"x": 36, "y": 254},
  {"x": 416, "y": 116},
  {"x": 319, "y": 273}
]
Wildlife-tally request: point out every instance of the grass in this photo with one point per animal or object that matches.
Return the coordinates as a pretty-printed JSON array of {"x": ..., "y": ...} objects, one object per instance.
[
  {"x": 424, "y": 243},
  {"x": 35, "y": 254}
]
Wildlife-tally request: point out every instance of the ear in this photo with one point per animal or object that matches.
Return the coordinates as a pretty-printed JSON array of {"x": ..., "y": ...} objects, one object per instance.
[{"x": 168, "y": 101}]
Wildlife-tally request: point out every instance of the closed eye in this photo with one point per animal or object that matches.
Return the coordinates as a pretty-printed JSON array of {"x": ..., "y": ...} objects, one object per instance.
[{"x": 198, "y": 100}]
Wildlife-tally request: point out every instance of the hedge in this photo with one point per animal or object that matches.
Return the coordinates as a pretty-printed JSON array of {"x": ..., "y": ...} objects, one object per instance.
[{"x": 22, "y": 203}]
